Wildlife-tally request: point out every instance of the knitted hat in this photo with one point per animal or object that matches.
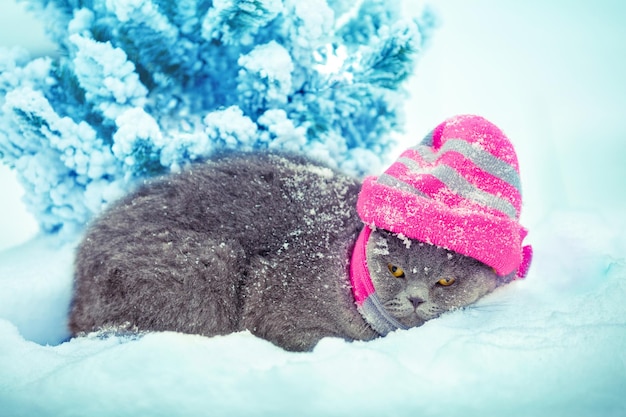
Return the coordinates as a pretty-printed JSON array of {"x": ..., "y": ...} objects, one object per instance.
[{"x": 458, "y": 189}]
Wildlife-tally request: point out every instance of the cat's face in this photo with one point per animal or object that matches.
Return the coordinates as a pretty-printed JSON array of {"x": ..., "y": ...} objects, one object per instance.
[{"x": 417, "y": 282}]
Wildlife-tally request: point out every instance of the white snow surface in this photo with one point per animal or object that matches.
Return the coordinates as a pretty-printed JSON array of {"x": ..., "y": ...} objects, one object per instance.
[{"x": 553, "y": 344}]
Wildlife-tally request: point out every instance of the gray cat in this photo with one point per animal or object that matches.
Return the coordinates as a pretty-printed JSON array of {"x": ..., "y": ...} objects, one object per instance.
[{"x": 258, "y": 242}]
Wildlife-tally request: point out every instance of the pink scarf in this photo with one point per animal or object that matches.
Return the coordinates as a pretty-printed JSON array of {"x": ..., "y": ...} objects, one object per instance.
[{"x": 365, "y": 296}]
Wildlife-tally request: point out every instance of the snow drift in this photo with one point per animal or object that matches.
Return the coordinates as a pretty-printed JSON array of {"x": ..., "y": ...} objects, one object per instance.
[{"x": 552, "y": 344}]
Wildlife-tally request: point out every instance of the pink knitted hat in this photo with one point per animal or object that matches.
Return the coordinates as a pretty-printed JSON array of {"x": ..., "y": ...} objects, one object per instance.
[{"x": 458, "y": 189}]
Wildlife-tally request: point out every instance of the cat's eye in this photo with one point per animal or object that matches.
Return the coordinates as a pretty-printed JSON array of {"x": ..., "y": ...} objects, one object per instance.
[
  {"x": 446, "y": 281},
  {"x": 396, "y": 271}
]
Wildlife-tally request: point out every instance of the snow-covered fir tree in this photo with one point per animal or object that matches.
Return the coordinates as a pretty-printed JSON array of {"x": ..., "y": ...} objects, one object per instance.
[{"x": 143, "y": 87}]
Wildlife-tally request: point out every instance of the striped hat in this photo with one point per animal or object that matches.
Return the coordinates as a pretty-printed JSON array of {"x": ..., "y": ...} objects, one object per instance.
[{"x": 458, "y": 189}]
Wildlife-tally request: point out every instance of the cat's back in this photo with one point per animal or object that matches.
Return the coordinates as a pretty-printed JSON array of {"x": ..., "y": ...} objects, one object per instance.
[
  {"x": 155, "y": 257},
  {"x": 244, "y": 197}
]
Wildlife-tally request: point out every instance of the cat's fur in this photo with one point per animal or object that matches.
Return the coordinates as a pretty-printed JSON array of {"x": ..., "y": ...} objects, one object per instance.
[{"x": 256, "y": 242}]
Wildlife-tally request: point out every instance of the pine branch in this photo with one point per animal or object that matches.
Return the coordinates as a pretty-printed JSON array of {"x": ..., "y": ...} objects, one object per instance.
[{"x": 144, "y": 87}]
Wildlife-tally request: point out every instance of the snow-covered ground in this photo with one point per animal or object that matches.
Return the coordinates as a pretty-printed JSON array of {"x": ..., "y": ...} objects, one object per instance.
[{"x": 550, "y": 74}]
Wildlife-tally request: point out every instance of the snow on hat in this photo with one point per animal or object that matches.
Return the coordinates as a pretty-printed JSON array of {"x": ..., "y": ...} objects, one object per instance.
[{"x": 458, "y": 189}]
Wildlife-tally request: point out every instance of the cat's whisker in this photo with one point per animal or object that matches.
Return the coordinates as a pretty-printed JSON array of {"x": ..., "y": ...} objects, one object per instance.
[{"x": 487, "y": 307}]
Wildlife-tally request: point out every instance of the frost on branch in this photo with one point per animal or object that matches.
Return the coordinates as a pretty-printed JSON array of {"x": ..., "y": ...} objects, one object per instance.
[{"x": 143, "y": 87}]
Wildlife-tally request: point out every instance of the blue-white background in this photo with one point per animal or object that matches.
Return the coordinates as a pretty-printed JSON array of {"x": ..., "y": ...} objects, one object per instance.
[{"x": 552, "y": 75}]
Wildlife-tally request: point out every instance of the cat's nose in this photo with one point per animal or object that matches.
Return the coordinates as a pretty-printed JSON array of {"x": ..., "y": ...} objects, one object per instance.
[{"x": 416, "y": 301}]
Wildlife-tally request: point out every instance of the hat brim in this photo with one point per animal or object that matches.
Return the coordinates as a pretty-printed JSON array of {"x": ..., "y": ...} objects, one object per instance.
[{"x": 495, "y": 241}]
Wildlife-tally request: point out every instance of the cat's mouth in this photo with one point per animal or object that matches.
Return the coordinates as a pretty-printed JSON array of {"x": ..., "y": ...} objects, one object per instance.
[
  {"x": 411, "y": 320},
  {"x": 411, "y": 313},
  {"x": 416, "y": 317}
]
